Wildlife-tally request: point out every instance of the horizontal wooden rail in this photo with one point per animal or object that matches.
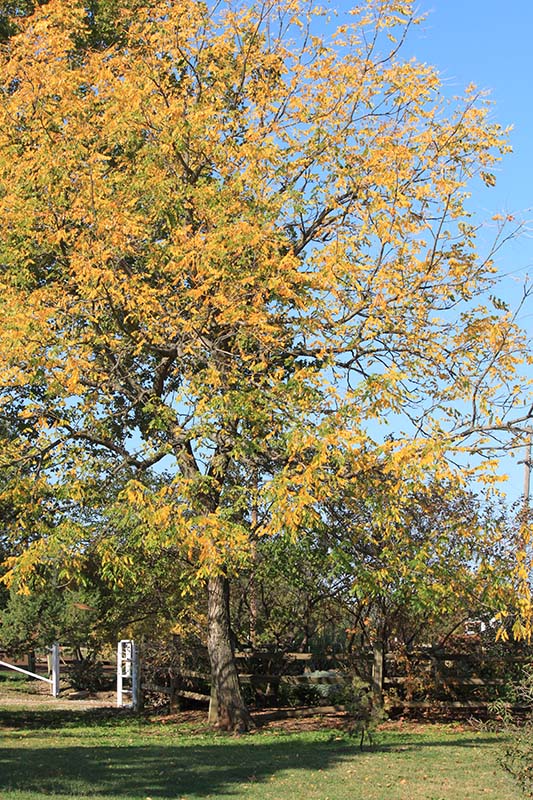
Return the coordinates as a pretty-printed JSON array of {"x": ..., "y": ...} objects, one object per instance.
[
  {"x": 341, "y": 679},
  {"x": 454, "y": 704},
  {"x": 265, "y": 656},
  {"x": 171, "y": 691}
]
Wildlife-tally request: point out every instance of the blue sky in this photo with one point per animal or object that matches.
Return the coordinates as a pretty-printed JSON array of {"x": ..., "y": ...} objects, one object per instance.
[{"x": 490, "y": 44}]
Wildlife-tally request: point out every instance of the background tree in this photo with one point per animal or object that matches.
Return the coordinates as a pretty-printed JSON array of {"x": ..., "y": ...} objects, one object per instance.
[
  {"x": 230, "y": 243},
  {"x": 409, "y": 565},
  {"x": 290, "y": 596},
  {"x": 410, "y": 556}
]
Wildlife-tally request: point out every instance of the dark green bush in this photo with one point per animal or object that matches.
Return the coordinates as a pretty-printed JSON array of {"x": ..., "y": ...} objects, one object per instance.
[
  {"x": 299, "y": 694},
  {"x": 87, "y": 675}
]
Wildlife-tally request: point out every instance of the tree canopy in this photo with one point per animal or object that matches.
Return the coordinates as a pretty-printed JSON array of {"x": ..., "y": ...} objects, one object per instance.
[{"x": 234, "y": 239}]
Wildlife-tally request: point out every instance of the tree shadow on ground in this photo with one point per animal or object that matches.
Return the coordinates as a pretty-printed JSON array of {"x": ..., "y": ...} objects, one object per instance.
[
  {"x": 174, "y": 766},
  {"x": 29, "y": 719},
  {"x": 169, "y": 771}
]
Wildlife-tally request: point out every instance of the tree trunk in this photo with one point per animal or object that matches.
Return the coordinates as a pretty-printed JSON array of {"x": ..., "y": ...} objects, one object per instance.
[
  {"x": 378, "y": 659},
  {"x": 252, "y": 590},
  {"x": 227, "y": 710},
  {"x": 32, "y": 665},
  {"x": 252, "y": 597},
  {"x": 378, "y": 655}
]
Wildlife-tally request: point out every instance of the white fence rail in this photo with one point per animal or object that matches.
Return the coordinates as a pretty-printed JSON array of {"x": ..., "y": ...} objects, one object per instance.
[{"x": 53, "y": 680}]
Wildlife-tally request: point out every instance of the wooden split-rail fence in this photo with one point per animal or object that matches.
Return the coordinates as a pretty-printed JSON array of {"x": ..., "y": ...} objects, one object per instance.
[{"x": 448, "y": 684}]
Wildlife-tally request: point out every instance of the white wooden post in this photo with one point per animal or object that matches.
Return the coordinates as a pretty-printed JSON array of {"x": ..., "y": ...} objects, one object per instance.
[
  {"x": 128, "y": 674},
  {"x": 122, "y": 667},
  {"x": 135, "y": 677},
  {"x": 55, "y": 669}
]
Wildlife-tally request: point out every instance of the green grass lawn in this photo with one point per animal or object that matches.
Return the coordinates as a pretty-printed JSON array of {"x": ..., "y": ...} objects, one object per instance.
[
  {"x": 15, "y": 681},
  {"x": 58, "y": 754}
]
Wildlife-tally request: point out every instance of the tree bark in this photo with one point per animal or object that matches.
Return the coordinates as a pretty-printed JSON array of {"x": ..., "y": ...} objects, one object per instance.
[
  {"x": 252, "y": 590},
  {"x": 378, "y": 656},
  {"x": 252, "y": 597},
  {"x": 228, "y": 710},
  {"x": 378, "y": 660}
]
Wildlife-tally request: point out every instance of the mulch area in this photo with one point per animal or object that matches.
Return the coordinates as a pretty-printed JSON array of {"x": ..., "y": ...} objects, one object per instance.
[
  {"x": 196, "y": 723},
  {"x": 268, "y": 720}
]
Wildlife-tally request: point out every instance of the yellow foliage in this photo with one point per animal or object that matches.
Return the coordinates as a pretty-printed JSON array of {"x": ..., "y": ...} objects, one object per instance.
[{"x": 235, "y": 245}]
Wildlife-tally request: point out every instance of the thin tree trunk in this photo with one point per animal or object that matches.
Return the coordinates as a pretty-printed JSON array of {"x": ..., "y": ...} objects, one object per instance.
[
  {"x": 252, "y": 597},
  {"x": 227, "y": 709},
  {"x": 378, "y": 659},
  {"x": 32, "y": 662},
  {"x": 252, "y": 590},
  {"x": 378, "y": 656}
]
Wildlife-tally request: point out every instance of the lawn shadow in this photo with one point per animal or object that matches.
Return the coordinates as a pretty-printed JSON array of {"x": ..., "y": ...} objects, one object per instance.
[
  {"x": 161, "y": 771},
  {"x": 141, "y": 763},
  {"x": 30, "y": 719}
]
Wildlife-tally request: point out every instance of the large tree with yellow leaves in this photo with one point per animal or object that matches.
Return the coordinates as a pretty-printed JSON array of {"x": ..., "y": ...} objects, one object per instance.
[{"x": 233, "y": 236}]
